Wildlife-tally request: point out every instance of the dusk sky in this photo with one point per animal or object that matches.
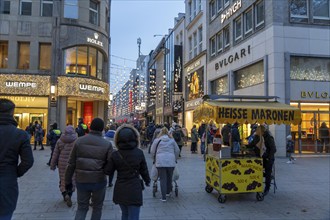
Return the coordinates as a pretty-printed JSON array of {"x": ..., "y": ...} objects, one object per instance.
[{"x": 131, "y": 19}]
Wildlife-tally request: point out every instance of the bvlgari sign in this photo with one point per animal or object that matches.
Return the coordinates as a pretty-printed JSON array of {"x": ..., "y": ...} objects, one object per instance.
[
  {"x": 95, "y": 40},
  {"x": 233, "y": 57}
]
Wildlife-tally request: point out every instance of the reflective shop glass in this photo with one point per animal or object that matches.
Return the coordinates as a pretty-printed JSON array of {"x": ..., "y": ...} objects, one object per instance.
[
  {"x": 321, "y": 8},
  {"x": 45, "y": 56},
  {"x": 249, "y": 76},
  {"x": 3, "y": 54},
  {"x": 23, "y": 55},
  {"x": 310, "y": 68},
  {"x": 84, "y": 60},
  {"x": 71, "y": 9}
]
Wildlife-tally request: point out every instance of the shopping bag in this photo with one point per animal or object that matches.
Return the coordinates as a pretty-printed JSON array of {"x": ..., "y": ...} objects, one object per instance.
[
  {"x": 154, "y": 173},
  {"x": 175, "y": 173}
]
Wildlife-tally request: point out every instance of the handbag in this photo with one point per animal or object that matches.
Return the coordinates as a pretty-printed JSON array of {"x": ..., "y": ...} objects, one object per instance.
[
  {"x": 133, "y": 170},
  {"x": 175, "y": 173},
  {"x": 154, "y": 170}
]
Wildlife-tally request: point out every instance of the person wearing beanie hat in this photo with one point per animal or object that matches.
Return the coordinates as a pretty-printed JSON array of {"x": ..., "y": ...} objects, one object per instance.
[
  {"x": 290, "y": 149},
  {"x": 16, "y": 158},
  {"x": 87, "y": 160},
  {"x": 130, "y": 163}
]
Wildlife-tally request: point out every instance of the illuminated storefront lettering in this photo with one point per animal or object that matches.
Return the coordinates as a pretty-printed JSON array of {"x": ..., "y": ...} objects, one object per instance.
[
  {"x": 95, "y": 40},
  {"x": 91, "y": 88},
  {"x": 230, "y": 11},
  {"x": 233, "y": 57},
  {"x": 313, "y": 94},
  {"x": 18, "y": 84}
]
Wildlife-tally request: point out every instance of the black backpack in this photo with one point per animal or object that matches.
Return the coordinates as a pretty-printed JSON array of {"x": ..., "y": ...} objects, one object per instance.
[{"x": 177, "y": 136}]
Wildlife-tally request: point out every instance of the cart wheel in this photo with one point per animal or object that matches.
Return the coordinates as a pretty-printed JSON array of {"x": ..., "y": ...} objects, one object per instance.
[
  {"x": 176, "y": 191},
  {"x": 222, "y": 198},
  {"x": 260, "y": 196},
  {"x": 208, "y": 189}
]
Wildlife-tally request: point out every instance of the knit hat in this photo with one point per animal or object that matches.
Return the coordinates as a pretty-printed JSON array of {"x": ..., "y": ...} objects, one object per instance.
[
  {"x": 69, "y": 129},
  {"x": 6, "y": 105},
  {"x": 54, "y": 125},
  {"x": 289, "y": 137},
  {"x": 97, "y": 124}
]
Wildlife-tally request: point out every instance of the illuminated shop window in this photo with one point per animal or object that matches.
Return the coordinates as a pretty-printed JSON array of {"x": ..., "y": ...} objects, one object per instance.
[
  {"x": 220, "y": 86},
  {"x": 84, "y": 60},
  {"x": 23, "y": 55},
  {"x": 310, "y": 68},
  {"x": 45, "y": 56},
  {"x": 3, "y": 54},
  {"x": 249, "y": 76}
]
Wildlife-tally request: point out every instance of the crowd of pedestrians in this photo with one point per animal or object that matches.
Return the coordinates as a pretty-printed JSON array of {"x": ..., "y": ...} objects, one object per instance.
[{"x": 87, "y": 158}]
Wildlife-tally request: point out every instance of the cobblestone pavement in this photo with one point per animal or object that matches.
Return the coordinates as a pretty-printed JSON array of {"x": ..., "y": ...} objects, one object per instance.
[{"x": 303, "y": 193}]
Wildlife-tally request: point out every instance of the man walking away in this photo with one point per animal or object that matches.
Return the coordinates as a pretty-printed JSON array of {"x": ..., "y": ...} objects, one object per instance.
[
  {"x": 87, "y": 160},
  {"x": 225, "y": 132},
  {"x": 14, "y": 146},
  {"x": 82, "y": 128},
  {"x": 178, "y": 137},
  {"x": 53, "y": 135}
]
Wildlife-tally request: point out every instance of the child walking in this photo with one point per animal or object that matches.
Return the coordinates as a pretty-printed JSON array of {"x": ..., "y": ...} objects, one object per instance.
[{"x": 290, "y": 149}]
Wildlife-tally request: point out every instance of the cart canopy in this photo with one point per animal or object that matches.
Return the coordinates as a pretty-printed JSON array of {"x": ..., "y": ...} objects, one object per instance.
[{"x": 247, "y": 112}]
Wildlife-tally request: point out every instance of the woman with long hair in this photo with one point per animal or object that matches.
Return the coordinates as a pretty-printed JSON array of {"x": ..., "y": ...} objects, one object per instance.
[{"x": 166, "y": 153}]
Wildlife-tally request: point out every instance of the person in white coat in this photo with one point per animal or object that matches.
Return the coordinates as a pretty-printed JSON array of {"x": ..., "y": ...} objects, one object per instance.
[{"x": 167, "y": 153}]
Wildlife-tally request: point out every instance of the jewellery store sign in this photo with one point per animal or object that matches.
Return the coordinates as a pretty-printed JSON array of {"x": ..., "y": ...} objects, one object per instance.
[
  {"x": 89, "y": 88},
  {"x": 24, "y": 84}
]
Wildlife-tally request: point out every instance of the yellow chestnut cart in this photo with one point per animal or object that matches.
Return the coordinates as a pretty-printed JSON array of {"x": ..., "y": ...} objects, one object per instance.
[{"x": 242, "y": 174}]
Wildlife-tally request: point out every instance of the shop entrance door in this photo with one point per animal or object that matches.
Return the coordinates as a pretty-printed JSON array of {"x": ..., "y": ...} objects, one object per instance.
[{"x": 309, "y": 137}]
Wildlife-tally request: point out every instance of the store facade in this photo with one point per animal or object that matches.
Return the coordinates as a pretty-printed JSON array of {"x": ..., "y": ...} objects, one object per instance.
[
  {"x": 31, "y": 95},
  {"x": 262, "y": 55}
]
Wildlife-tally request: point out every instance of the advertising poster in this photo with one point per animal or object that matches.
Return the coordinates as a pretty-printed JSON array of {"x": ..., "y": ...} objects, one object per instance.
[{"x": 195, "y": 84}]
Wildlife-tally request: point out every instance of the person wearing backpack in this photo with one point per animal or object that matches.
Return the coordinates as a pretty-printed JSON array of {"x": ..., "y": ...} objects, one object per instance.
[
  {"x": 178, "y": 137},
  {"x": 53, "y": 135},
  {"x": 82, "y": 128}
]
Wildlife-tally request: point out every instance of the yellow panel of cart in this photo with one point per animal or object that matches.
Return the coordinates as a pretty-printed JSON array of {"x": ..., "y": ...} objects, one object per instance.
[{"x": 241, "y": 175}]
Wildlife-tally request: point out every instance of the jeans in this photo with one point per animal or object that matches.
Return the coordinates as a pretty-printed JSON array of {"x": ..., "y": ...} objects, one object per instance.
[
  {"x": 6, "y": 217},
  {"x": 236, "y": 147},
  {"x": 165, "y": 175},
  {"x": 85, "y": 191},
  {"x": 202, "y": 147},
  {"x": 130, "y": 212}
]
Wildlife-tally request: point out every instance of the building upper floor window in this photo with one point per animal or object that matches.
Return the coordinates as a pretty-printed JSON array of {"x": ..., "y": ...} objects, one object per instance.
[
  {"x": 200, "y": 39},
  {"x": 194, "y": 7},
  {"x": 226, "y": 3},
  {"x": 310, "y": 11},
  {"x": 71, "y": 9},
  {"x": 195, "y": 43},
  {"x": 83, "y": 60},
  {"x": 226, "y": 36},
  {"x": 47, "y": 8},
  {"x": 220, "y": 86},
  {"x": 190, "y": 11},
  {"x": 25, "y": 7},
  {"x": 238, "y": 29},
  {"x": 190, "y": 43},
  {"x": 219, "y": 5},
  {"x": 212, "y": 10},
  {"x": 45, "y": 56},
  {"x": 213, "y": 46},
  {"x": 219, "y": 42},
  {"x": 248, "y": 21},
  {"x": 4, "y": 7},
  {"x": 260, "y": 13},
  {"x": 310, "y": 68},
  {"x": 94, "y": 12},
  {"x": 3, "y": 54},
  {"x": 23, "y": 55}
]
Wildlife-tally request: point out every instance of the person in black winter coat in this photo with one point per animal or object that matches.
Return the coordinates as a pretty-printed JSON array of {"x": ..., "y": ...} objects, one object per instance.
[
  {"x": 130, "y": 163},
  {"x": 16, "y": 158},
  {"x": 53, "y": 135}
]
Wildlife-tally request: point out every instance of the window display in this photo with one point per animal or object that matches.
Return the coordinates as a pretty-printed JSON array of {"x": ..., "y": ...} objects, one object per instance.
[
  {"x": 249, "y": 76},
  {"x": 309, "y": 68}
]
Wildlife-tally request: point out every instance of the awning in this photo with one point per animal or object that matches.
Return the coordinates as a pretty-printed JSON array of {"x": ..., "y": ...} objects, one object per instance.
[{"x": 247, "y": 112}]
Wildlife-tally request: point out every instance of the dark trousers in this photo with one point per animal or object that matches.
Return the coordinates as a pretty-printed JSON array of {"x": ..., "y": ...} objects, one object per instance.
[
  {"x": 6, "y": 217},
  {"x": 193, "y": 147},
  {"x": 180, "y": 147},
  {"x": 110, "y": 178},
  {"x": 165, "y": 175},
  {"x": 39, "y": 143},
  {"x": 268, "y": 166},
  {"x": 130, "y": 212},
  {"x": 86, "y": 191},
  {"x": 51, "y": 154}
]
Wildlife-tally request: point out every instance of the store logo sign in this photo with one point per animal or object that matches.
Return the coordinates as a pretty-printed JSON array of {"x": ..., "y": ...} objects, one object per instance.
[
  {"x": 95, "y": 40},
  {"x": 18, "y": 84},
  {"x": 230, "y": 11},
  {"x": 194, "y": 103},
  {"x": 233, "y": 57},
  {"x": 193, "y": 66},
  {"x": 90, "y": 88},
  {"x": 317, "y": 95}
]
